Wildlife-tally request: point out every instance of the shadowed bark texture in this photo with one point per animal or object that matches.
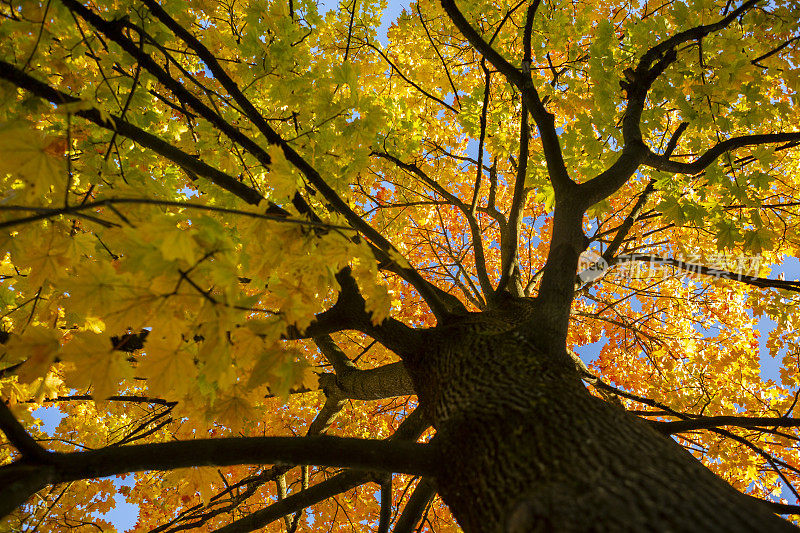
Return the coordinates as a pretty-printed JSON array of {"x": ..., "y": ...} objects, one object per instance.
[{"x": 525, "y": 447}]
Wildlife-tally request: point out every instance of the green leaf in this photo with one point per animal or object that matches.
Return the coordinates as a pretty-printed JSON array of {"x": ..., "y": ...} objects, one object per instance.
[
  {"x": 727, "y": 235},
  {"x": 758, "y": 240}
]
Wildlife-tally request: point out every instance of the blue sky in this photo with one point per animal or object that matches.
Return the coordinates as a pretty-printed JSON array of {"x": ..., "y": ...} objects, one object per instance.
[{"x": 393, "y": 9}]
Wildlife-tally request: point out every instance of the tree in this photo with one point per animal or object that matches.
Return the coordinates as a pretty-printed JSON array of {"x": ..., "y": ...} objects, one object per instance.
[{"x": 226, "y": 223}]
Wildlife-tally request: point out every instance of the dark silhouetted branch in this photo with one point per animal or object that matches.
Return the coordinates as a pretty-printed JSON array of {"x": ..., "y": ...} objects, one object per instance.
[
  {"x": 764, "y": 283},
  {"x": 16, "y": 434},
  {"x": 409, "y": 430},
  {"x": 545, "y": 121},
  {"x": 116, "y": 124},
  {"x": 373, "y": 455},
  {"x": 637, "y": 83},
  {"x": 508, "y": 253},
  {"x": 629, "y": 221},
  {"x": 708, "y": 422},
  {"x": 419, "y": 500},
  {"x": 385, "y": 515},
  {"x": 662, "y": 162},
  {"x": 314, "y": 178}
]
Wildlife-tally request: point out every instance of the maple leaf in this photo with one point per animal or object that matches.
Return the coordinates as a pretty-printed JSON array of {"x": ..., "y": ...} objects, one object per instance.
[
  {"x": 94, "y": 364},
  {"x": 33, "y": 156},
  {"x": 37, "y": 349},
  {"x": 167, "y": 364},
  {"x": 727, "y": 235},
  {"x": 235, "y": 409},
  {"x": 197, "y": 480}
]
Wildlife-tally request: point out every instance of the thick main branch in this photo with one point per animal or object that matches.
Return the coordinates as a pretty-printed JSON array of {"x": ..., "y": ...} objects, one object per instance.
[
  {"x": 662, "y": 162},
  {"x": 378, "y": 455}
]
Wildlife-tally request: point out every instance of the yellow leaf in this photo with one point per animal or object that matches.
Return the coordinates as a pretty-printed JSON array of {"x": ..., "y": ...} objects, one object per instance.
[
  {"x": 217, "y": 365},
  {"x": 247, "y": 345},
  {"x": 263, "y": 370},
  {"x": 281, "y": 174},
  {"x": 197, "y": 479},
  {"x": 38, "y": 347},
  {"x": 45, "y": 254},
  {"x": 168, "y": 367},
  {"x": 95, "y": 364},
  {"x": 177, "y": 244},
  {"x": 94, "y": 324},
  {"x": 398, "y": 258},
  {"x": 37, "y": 158},
  {"x": 48, "y": 387},
  {"x": 270, "y": 329},
  {"x": 281, "y": 369},
  {"x": 74, "y": 107},
  {"x": 234, "y": 409},
  {"x": 378, "y": 302}
]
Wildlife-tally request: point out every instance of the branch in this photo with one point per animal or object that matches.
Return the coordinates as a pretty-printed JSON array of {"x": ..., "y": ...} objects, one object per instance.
[
  {"x": 545, "y": 121},
  {"x": 239, "y": 491},
  {"x": 412, "y": 514},
  {"x": 16, "y": 434},
  {"x": 508, "y": 251},
  {"x": 409, "y": 430},
  {"x": 280, "y": 483},
  {"x": 467, "y": 211},
  {"x": 655, "y": 61},
  {"x": 335, "y": 356},
  {"x": 637, "y": 84},
  {"x": 662, "y": 162},
  {"x": 385, "y": 515},
  {"x": 340, "y": 452},
  {"x": 436, "y": 49},
  {"x": 385, "y": 381},
  {"x": 23, "y": 478},
  {"x": 189, "y": 162},
  {"x": 482, "y": 136},
  {"x": 113, "y": 31},
  {"x": 693, "y": 34},
  {"x": 310, "y": 173},
  {"x": 556, "y": 290},
  {"x": 330, "y": 410},
  {"x": 349, "y": 313},
  {"x": 512, "y": 74},
  {"x": 630, "y": 220},
  {"x": 765, "y": 283},
  {"x": 378, "y": 455},
  {"x": 20, "y": 481},
  {"x": 44, "y": 213},
  {"x": 774, "y": 463},
  {"x": 708, "y": 422},
  {"x": 568, "y": 241},
  {"x": 772, "y": 52},
  {"x": 89, "y": 397},
  {"x": 298, "y": 501},
  {"x": 251, "y": 484},
  {"x": 410, "y": 82},
  {"x": 528, "y": 32},
  {"x": 353, "y": 383},
  {"x": 430, "y": 182},
  {"x": 777, "y": 507}
]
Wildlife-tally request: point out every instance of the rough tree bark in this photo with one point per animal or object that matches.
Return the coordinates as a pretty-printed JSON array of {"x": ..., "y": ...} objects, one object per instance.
[{"x": 525, "y": 447}]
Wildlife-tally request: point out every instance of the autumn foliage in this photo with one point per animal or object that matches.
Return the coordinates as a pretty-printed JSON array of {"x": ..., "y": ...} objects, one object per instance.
[{"x": 225, "y": 219}]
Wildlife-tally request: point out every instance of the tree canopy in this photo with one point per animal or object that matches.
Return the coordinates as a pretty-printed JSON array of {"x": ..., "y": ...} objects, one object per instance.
[{"x": 237, "y": 237}]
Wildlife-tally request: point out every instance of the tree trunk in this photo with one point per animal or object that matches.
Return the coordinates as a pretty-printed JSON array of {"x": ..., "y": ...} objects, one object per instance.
[{"x": 526, "y": 448}]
